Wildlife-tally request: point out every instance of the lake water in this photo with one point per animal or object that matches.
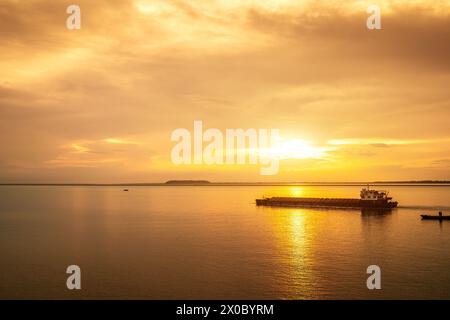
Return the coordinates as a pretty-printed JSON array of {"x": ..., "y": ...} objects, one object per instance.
[{"x": 213, "y": 242}]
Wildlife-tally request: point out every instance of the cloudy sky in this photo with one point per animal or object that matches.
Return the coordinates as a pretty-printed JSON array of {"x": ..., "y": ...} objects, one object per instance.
[{"x": 99, "y": 104}]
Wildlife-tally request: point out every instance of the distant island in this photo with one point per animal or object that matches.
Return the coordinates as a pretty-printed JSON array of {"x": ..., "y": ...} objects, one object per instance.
[{"x": 188, "y": 182}]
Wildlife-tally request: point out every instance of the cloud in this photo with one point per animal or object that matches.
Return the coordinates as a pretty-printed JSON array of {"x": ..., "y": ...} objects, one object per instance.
[{"x": 139, "y": 69}]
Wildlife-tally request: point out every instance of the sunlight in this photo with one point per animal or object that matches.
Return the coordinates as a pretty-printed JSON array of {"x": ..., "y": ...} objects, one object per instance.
[
  {"x": 297, "y": 149},
  {"x": 118, "y": 141},
  {"x": 79, "y": 148},
  {"x": 296, "y": 191},
  {"x": 152, "y": 7}
]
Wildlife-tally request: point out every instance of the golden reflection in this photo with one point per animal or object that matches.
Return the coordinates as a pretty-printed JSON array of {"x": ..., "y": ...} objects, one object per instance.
[
  {"x": 296, "y": 191},
  {"x": 294, "y": 233},
  {"x": 297, "y": 230}
]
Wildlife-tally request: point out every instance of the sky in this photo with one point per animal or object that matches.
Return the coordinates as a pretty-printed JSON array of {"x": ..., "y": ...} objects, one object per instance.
[{"x": 99, "y": 104}]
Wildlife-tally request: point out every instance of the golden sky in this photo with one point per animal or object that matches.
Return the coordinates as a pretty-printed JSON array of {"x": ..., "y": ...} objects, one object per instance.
[{"x": 99, "y": 104}]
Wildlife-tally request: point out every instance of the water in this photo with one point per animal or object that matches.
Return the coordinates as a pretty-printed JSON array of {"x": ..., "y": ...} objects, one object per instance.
[{"x": 213, "y": 243}]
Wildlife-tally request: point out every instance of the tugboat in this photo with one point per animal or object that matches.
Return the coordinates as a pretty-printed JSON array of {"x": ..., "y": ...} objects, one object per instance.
[{"x": 368, "y": 199}]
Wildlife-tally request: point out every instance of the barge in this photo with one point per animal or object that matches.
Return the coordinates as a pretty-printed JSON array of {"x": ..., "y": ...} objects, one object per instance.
[{"x": 368, "y": 199}]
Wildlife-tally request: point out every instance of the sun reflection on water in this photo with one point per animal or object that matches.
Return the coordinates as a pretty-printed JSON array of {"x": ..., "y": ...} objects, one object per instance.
[
  {"x": 295, "y": 232},
  {"x": 296, "y": 191}
]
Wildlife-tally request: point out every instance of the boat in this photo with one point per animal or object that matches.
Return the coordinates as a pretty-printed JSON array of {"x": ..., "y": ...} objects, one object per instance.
[
  {"x": 368, "y": 199},
  {"x": 439, "y": 217},
  {"x": 125, "y": 190}
]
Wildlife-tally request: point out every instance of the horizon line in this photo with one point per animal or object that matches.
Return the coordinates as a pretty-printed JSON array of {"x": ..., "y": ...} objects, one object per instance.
[{"x": 190, "y": 182}]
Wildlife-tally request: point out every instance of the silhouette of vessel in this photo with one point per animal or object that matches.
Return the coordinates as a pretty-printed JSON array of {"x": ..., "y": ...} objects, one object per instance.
[
  {"x": 439, "y": 217},
  {"x": 368, "y": 199}
]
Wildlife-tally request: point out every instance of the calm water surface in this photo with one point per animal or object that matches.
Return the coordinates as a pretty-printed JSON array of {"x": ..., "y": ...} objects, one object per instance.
[{"x": 214, "y": 243}]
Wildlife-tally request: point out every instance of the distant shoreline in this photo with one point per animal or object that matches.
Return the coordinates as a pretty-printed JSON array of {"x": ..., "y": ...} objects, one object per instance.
[{"x": 205, "y": 183}]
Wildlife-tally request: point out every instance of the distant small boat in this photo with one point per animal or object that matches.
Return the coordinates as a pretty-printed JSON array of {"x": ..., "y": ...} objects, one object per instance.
[
  {"x": 125, "y": 189},
  {"x": 440, "y": 217}
]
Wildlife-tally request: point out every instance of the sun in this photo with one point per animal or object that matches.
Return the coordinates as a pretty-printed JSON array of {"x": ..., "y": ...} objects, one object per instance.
[{"x": 297, "y": 149}]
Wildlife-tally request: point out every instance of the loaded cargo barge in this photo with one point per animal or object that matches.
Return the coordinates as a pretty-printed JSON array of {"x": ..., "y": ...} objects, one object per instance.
[{"x": 368, "y": 199}]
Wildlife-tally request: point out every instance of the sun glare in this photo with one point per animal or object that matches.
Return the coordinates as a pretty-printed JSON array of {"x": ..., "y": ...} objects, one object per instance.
[
  {"x": 152, "y": 7},
  {"x": 297, "y": 149}
]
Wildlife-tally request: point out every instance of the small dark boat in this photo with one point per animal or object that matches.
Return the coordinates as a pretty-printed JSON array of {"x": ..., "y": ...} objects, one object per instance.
[
  {"x": 125, "y": 189},
  {"x": 439, "y": 217}
]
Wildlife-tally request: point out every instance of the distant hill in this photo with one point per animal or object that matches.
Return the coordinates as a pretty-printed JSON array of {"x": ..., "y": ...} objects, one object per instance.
[{"x": 188, "y": 182}]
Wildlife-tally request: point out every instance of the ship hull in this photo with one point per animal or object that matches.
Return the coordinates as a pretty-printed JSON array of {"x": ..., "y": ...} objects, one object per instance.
[{"x": 326, "y": 203}]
